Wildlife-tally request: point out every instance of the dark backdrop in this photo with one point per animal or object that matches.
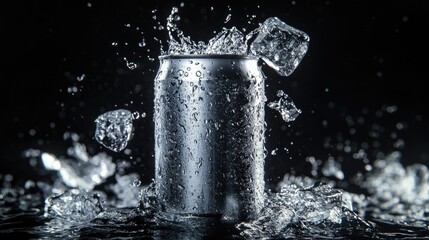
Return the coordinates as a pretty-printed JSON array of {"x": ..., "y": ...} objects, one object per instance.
[{"x": 365, "y": 60}]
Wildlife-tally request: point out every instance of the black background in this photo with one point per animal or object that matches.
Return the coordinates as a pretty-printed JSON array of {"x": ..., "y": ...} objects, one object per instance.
[{"x": 363, "y": 57}]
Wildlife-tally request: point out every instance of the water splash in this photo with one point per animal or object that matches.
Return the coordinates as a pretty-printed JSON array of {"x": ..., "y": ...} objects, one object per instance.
[
  {"x": 300, "y": 206},
  {"x": 74, "y": 206},
  {"x": 331, "y": 168},
  {"x": 297, "y": 208},
  {"x": 281, "y": 46},
  {"x": 398, "y": 194},
  {"x": 125, "y": 192},
  {"x": 130, "y": 65},
  {"x": 229, "y": 41},
  {"x": 24, "y": 198},
  {"x": 178, "y": 43},
  {"x": 83, "y": 171}
]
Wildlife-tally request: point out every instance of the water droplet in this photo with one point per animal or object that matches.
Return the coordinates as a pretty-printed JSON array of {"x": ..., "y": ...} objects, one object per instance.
[
  {"x": 32, "y": 132},
  {"x": 81, "y": 77},
  {"x": 142, "y": 43},
  {"x": 228, "y": 17},
  {"x": 228, "y": 98},
  {"x": 136, "y": 115},
  {"x": 136, "y": 183},
  {"x": 274, "y": 152},
  {"x": 130, "y": 65}
]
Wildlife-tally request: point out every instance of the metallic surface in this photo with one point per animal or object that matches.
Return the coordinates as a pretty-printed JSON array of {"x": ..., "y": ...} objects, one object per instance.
[{"x": 209, "y": 136}]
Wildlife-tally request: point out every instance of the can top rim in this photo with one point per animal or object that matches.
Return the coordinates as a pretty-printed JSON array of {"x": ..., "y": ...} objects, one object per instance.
[{"x": 219, "y": 56}]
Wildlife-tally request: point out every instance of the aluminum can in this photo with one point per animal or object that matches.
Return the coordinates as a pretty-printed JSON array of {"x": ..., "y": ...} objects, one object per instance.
[{"x": 209, "y": 136}]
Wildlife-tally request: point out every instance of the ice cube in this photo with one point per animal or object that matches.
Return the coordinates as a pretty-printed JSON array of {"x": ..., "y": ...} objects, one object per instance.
[
  {"x": 281, "y": 46},
  {"x": 285, "y": 107},
  {"x": 294, "y": 206},
  {"x": 75, "y": 206},
  {"x": 114, "y": 129}
]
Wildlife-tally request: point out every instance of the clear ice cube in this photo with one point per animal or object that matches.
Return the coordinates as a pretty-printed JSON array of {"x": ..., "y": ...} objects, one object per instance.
[
  {"x": 285, "y": 107},
  {"x": 114, "y": 129},
  {"x": 296, "y": 206},
  {"x": 281, "y": 46},
  {"x": 75, "y": 206}
]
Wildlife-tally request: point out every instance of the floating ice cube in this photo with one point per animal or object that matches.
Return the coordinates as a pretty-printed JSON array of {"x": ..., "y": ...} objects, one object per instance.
[
  {"x": 285, "y": 107},
  {"x": 281, "y": 46},
  {"x": 75, "y": 206},
  {"x": 114, "y": 129}
]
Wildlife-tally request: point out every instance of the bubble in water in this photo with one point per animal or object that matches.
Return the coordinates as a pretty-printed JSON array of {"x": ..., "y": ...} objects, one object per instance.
[
  {"x": 285, "y": 107},
  {"x": 281, "y": 46},
  {"x": 114, "y": 129}
]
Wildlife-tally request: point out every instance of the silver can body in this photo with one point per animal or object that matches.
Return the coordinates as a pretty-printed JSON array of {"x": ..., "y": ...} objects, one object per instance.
[{"x": 209, "y": 136}]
